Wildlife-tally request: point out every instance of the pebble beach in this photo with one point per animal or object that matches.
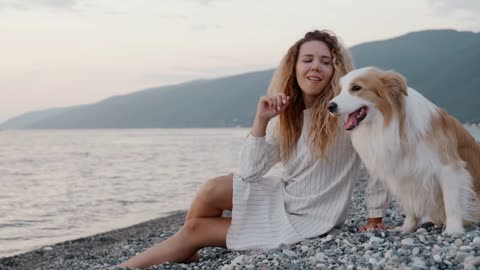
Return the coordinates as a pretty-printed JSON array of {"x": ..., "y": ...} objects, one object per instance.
[{"x": 427, "y": 248}]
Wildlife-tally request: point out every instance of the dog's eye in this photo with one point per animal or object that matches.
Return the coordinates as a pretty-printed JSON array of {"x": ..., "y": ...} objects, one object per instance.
[{"x": 356, "y": 88}]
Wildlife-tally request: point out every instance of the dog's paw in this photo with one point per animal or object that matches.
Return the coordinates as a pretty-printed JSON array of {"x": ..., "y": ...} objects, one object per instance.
[
  {"x": 452, "y": 231},
  {"x": 396, "y": 229},
  {"x": 454, "y": 226},
  {"x": 403, "y": 229}
]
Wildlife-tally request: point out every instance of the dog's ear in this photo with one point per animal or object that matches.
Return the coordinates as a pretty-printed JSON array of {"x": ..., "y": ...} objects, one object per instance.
[{"x": 396, "y": 82}]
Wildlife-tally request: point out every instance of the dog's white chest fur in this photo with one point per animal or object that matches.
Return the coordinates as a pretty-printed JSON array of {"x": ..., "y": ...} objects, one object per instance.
[{"x": 408, "y": 170}]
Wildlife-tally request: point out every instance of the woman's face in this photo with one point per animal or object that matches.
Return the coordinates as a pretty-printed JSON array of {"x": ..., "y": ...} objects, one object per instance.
[{"x": 314, "y": 69}]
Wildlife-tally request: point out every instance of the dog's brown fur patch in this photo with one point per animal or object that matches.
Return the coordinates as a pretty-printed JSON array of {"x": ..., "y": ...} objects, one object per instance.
[{"x": 456, "y": 144}]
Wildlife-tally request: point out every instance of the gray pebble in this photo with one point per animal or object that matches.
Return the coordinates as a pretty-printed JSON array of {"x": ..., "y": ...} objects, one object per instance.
[
  {"x": 458, "y": 242},
  {"x": 408, "y": 242},
  {"x": 437, "y": 258},
  {"x": 460, "y": 256},
  {"x": 289, "y": 253}
]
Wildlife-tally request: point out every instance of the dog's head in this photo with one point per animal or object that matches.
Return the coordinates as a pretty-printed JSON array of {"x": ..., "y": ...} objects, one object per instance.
[{"x": 368, "y": 93}]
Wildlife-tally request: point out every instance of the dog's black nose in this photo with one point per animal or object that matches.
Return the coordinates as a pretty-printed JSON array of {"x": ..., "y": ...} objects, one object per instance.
[{"x": 332, "y": 107}]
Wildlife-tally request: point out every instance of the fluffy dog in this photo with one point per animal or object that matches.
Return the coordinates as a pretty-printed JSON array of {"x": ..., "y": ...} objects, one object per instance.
[{"x": 426, "y": 157}]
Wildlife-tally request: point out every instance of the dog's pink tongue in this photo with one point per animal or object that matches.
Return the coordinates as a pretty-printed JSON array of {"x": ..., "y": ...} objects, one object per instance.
[{"x": 351, "y": 121}]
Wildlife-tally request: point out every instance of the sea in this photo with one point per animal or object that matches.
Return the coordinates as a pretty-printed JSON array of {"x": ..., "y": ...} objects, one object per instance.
[{"x": 59, "y": 185}]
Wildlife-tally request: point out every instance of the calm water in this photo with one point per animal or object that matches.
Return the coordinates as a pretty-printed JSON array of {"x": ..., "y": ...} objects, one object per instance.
[{"x": 62, "y": 185}]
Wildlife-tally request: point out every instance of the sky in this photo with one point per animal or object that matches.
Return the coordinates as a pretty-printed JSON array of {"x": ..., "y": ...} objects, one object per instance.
[{"x": 58, "y": 53}]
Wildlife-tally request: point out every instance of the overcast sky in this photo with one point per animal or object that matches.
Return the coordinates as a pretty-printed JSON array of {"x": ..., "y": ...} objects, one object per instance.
[{"x": 56, "y": 53}]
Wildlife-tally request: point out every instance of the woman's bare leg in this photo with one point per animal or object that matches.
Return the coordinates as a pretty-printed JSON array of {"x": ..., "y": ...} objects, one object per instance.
[
  {"x": 203, "y": 227},
  {"x": 212, "y": 198},
  {"x": 195, "y": 234}
]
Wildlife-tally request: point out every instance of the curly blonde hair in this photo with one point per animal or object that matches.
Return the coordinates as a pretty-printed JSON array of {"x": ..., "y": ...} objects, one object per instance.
[{"x": 324, "y": 127}]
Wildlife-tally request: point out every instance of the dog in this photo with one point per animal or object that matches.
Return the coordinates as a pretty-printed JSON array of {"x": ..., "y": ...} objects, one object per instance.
[{"x": 428, "y": 160}]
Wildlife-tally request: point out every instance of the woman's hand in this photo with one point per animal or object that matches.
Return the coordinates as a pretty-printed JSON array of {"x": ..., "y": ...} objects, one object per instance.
[
  {"x": 271, "y": 106},
  {"x": 374, "y": 224},
  {"x": 268, "y": 107}
]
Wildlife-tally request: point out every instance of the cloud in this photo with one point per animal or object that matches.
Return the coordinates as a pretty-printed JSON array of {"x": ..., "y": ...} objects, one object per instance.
[
  {"x": 462, "y": 10},
  {"x": 203, "y": 27},
  {"x": 28, "y": 4},
  {"x": 452, "y": 6},
  {"x": 204, "y": 2}
]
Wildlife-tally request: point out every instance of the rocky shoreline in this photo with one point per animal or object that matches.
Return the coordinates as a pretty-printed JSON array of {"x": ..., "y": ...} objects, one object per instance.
[{"x": 426, "y": 248}]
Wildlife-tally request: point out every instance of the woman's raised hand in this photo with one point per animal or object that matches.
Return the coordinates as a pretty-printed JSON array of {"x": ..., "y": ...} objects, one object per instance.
[
  {"x": 271, "y": 106},
  {"x": 268, "y": 107}
]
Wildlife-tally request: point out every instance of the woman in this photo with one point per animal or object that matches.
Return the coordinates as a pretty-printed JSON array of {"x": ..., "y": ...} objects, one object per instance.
[{"x": 311, "y": 197}]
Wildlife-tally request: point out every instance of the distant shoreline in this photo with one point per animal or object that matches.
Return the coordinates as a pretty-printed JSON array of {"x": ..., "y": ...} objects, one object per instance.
[
  {"x": 468, "y": 125},
  {"x": 475, "y": 125},
  {"x": 144, "y": 128}
]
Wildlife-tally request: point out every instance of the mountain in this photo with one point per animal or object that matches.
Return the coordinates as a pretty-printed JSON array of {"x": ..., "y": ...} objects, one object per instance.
[
  {"x": 441, "y": 64},
  {"x": 27, "y": 119},
  {"x": 225, "y": 102},
  {"x": 414, "y": 52}
]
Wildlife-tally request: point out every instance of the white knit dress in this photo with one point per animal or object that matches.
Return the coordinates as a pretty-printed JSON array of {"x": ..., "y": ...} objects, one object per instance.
[{"x": 311, "y": 197}]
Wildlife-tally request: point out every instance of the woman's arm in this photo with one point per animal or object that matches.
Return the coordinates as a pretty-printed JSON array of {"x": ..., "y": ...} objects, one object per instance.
[
  {"x": 378, "y": 200},
  {"x": 261, "y": 150}
]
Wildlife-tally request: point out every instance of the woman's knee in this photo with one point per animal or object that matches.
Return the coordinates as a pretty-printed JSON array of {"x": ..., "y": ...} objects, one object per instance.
[
  {"x": 202, "y": 232},
  {"x": 216, "y": 189},
  {"x": 192, "y": 226}
]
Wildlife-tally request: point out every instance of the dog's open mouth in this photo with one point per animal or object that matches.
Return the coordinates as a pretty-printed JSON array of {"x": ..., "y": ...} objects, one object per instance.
[{"x": 355, "y": 118}]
